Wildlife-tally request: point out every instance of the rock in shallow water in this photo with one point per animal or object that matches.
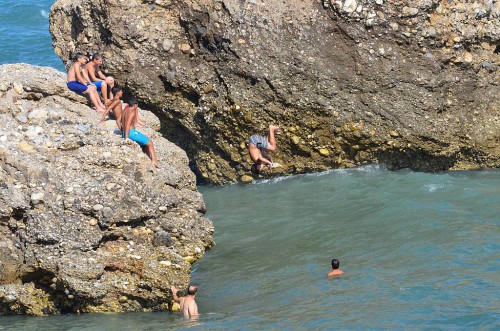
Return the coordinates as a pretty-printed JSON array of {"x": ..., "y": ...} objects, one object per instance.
[{"x": 83, "y": 200}]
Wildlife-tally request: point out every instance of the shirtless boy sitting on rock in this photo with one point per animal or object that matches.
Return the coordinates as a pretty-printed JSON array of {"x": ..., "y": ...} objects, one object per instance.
[
  {"x": 79, "y": 82},
  {"x": 93, "y": 71}
]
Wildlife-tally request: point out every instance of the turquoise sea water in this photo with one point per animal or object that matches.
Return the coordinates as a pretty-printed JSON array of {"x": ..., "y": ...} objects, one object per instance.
[
  {"x": 419, "y": 250},
  {"x": 24, "y": 33}
]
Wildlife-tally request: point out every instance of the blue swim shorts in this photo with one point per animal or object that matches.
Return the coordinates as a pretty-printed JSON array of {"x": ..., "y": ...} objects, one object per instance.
[
  {"x": 138, "y": 137},
  {"x": 77, "y": 87},
  {"x": 258, "y": 141},
  {"x": 98, "y": 84}
]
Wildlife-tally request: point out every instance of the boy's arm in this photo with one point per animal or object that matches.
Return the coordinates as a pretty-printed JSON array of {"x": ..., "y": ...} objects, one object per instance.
[
  {"x": 264, "y": 160},
  {"x": 90, "y": 70},
  {"x": 112, "y": 105},
  {"x": 79, "y": 77},
  {"x": 100, "y": 74}
]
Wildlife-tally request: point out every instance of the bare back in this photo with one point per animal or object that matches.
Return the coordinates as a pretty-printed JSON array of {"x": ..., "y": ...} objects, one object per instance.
[
  {"x": 189, "y": 308},
  {"x": 128, "y": 119}
]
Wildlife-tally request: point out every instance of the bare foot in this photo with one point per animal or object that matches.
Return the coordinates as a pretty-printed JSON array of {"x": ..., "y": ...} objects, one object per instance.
[
  {"x": 274, "y": 128},
  {"x": 100, "y": 110},
  {"x": 157, "y": 165}
]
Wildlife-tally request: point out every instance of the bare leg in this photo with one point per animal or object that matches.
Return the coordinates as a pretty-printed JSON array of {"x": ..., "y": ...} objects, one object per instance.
[
  {"x": 273, "y": 129},
  {"x": 150, "y": 151},
  {"x": 98, "y": 98},
  {"x": 94, "y": 101},
  {"x": 104, "y": 91}
]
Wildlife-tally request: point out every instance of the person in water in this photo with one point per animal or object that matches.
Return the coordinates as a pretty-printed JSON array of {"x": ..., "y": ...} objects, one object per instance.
[
  {"x": 115, "y": 107},
  {"x": 335, "y": 268},
  {"x": 79, "y": 82},
  {"x": 103, "y": 83},
  {"x": 257, "y": 146},
  {"x": 189, "y": 308},
  {"x": 129, "y": 121}
]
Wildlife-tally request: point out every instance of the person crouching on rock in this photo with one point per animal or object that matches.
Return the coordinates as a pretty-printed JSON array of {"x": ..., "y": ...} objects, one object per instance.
[
  {"x": 257, "y": 146},
  {"x": 115, "y": 107},
  {"x": 79, "y": 82},
  {"x": 129, "y": 120}
]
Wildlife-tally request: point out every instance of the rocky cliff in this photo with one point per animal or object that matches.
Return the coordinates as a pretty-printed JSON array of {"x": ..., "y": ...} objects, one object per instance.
[
  {"x": 86, "y": 225},
  {"x": 407, "y": 83}
]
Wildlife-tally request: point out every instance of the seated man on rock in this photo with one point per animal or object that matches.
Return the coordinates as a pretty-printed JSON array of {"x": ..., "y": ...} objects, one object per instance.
[
  {"x": 115, "y": 107},
  {"x": 129, "y": 119},
  {"x": 79, "y": 82},
  {"x": 103, "y": 83},
  {"x": 257, "y": 146}
]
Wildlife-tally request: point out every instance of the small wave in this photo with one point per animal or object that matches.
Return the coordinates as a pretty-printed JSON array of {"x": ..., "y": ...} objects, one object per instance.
[
  {"x": 433, "y": 187},
  {"x": 273, "y": 180},
  {"x": 44, "y": 13}
]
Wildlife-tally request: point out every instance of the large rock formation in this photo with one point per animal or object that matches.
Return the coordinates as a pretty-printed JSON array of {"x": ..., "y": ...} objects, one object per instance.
[
  {"x": 85, "y": 224},
  {"x": 408, "y": 83}
]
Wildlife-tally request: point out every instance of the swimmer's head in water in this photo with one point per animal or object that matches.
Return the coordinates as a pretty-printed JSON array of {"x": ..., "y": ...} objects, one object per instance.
[
  {"x": 335, "y": 264},
  {"x": 192, "y": 289}
]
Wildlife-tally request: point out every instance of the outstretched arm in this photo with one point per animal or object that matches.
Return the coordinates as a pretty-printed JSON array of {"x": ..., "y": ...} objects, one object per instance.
[
  {"x": 100, "y": 74},
  {"x": 79, "y": 77},
  {"x": 174, "y": 294},
  {"x": 265, "y": 161},
  {"x": 112, "y": 105}
]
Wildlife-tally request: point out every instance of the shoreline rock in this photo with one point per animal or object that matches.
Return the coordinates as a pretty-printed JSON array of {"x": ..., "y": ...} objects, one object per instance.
[
  {"x": 341, "y": 76},
  {"x": 86, "y": 224}
]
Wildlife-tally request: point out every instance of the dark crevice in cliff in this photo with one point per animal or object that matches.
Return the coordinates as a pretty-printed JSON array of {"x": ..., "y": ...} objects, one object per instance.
[
  {"x": 202, "y": 33},
  {"x": 77, "y": 26},
  {"x": 59, "y": 301},
  {"x": 415, "y": 159},
  {"x": 187, "y": 93},
  {"x": 133, "y": 223},
  {"x": 111, "y": 236},
  {"x": 105, "y": 34}
]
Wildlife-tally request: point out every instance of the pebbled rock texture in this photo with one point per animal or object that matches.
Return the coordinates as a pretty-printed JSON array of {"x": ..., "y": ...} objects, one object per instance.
[
  {"x": 406, "y": 83},
  {"x": 86, "y": 225}
]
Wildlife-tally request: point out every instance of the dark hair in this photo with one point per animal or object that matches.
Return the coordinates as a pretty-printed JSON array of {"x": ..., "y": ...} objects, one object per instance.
[
  {"x": 192, "y": 289},
  {"x": 116, "y": 89},
  {"x": 132, "y": 101},
  {"x": 254, "y": 169},
  {"x": 335, "y": 264},
  {"x": 96, "y": 56},
  {"x": 78, "y": 56}
]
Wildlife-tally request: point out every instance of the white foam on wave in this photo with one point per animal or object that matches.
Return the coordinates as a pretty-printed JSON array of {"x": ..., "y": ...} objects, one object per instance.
[
  {"x": 433, "y": 187},
  {"x": 44, "y": 13},
  {"x": 273, "y": 180},
  {"x": 369, "y": 169}
]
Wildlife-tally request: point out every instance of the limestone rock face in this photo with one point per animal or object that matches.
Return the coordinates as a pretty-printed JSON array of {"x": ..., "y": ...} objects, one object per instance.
[
  {"x": 337, "y": 75},
  {"x": 80, "y": 209}
]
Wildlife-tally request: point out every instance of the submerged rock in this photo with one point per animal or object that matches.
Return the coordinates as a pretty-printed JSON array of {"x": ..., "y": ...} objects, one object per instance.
[{"x": 81, "y": 211}]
